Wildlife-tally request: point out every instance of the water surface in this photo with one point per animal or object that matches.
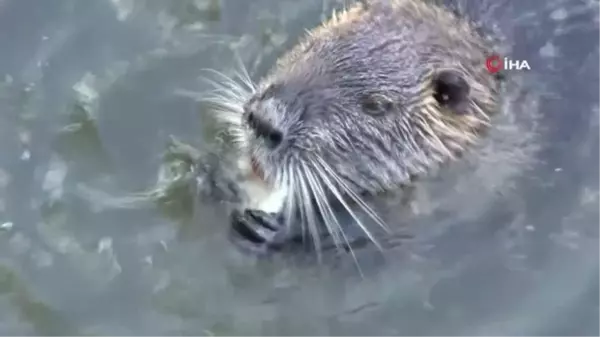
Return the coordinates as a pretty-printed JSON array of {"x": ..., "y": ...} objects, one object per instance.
[{"x": 89, "y": 98}]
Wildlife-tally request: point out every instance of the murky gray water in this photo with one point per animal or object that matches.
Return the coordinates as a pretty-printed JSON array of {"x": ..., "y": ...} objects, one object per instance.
[{"x": 88, "y": 102}]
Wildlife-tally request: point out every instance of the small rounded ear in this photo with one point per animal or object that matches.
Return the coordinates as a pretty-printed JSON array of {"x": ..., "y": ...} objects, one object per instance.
[{"x": 451, "y": 91}]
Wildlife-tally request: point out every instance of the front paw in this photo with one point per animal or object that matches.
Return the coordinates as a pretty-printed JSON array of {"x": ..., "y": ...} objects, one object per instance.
[{"x": 257, "y": 231}]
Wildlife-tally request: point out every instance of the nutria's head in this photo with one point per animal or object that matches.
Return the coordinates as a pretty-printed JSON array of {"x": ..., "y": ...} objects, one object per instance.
[{"x": 380, "y": 94}]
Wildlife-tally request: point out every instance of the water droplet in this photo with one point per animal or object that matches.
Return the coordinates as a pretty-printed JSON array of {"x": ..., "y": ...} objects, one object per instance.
[
  {"x": 559, "y": 14},
  {"x": 26, "y": 155},
  {"x": 105, "y": 244},
  {"x": 549, "y": 50},
  {"x": 7, "y": 226}
]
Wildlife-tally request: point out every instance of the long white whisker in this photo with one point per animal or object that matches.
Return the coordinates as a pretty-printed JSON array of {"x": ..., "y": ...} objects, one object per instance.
[
  {"x": 301, "y": 210},
  {"x": 329, "y": 216},
  {"x": 307, "y": 206},
  {"x": 340, "y": 198},
  {"x": 229, "y": 80},
  {"x": 225, "y": 101},
  {"x": 286, "y": 179},
  {"x": 297, "y": 197},
  {"x": 354, "y": 196},
  {"x": 245, "y": 76},
  {"x": 230, "y": 91},
  {"x": 220, "y": 104},
  {"x": 323, "y": 205}
]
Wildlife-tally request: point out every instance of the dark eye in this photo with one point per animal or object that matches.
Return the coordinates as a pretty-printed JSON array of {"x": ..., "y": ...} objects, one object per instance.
[
  {"x": 377, "y": 104},
  {"x": 451, "y": 90}
]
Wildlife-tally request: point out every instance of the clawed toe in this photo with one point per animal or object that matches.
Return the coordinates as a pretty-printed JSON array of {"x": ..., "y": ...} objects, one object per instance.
[{"x": 257, "y": 230}]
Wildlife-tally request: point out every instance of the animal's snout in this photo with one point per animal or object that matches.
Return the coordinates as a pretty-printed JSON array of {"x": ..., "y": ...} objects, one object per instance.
[{"x": 264, "y": 129}]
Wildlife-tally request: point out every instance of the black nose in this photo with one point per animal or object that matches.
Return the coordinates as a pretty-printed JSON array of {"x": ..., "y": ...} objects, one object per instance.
[{"x": 264, "y": 130}]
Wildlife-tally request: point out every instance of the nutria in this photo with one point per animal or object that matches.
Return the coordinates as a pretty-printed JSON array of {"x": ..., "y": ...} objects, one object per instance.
[{"x": 378, "y": 97}]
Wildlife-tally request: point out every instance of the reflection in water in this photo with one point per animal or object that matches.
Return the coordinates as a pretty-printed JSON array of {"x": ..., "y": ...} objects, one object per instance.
[{"x": 94, "y": 101}]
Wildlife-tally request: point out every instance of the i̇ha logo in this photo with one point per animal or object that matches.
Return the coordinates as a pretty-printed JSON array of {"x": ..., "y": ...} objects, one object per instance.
[{"x": 495, "y": 63}]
